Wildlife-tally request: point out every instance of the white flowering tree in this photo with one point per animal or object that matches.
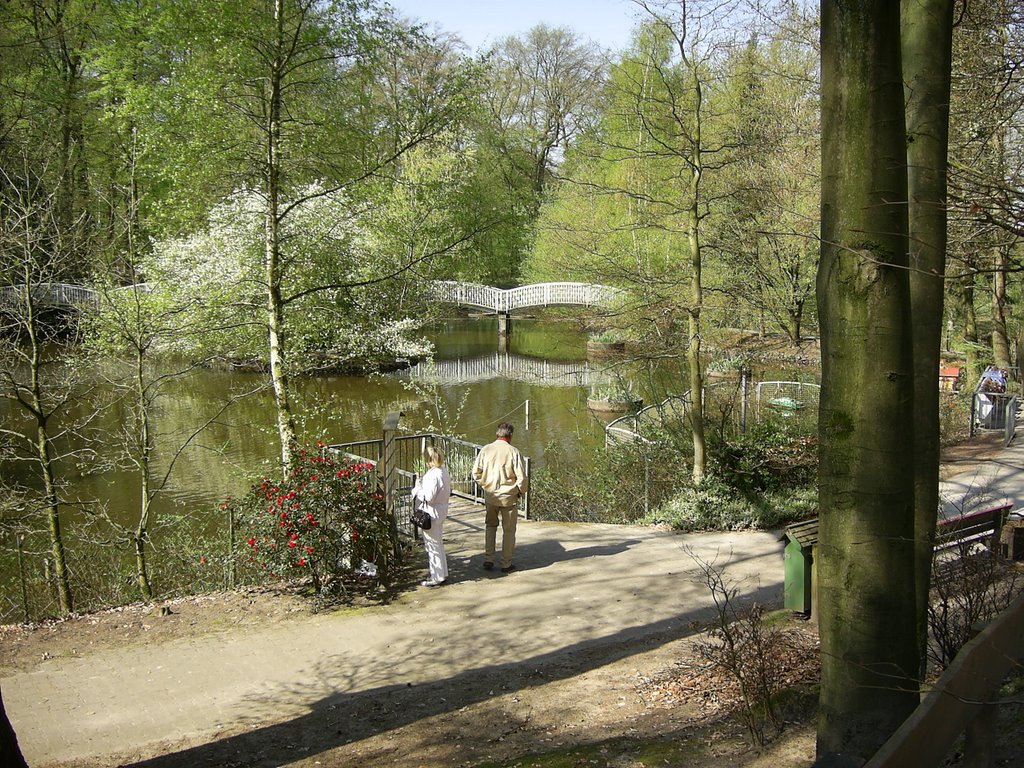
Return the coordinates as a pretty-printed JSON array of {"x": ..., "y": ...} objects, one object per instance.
[{"x": 342, "y": 299}]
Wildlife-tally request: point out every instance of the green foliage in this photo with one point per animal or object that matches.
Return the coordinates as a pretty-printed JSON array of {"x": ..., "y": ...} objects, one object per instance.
[
  {"x": 714, "y": 505},
  {"x": 763, "y": 478},
  {"x": 729, "y": 362},
  {"x": 608, "y": 336},
  {"x": 616, "y": 391},
  {"x": 321, "y": 522},
  {"x": 760, "y": 480},
  {"x": 772, "y": 455},
  {"x": 618, "y": 485}
]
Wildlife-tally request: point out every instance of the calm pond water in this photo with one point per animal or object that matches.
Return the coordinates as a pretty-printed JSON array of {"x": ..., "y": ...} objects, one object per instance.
[
  {"x": 472, "y": 386},
  {"x": 540, "y": 383}
]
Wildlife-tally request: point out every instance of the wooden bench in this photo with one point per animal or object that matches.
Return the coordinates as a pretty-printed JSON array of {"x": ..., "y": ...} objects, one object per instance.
[
  {"x": 953, "y": 537},
  {"x": 983, "y": 526}
]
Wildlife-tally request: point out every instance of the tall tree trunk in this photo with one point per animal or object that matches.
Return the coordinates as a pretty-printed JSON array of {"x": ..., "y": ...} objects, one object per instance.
[
  {"x": 1000, "y": 339},
  {"x": 44, "y": 452},
  {"x": 693, "y": 352},
  {"x": 970, "y": 318},
  {"x": 927, "y": 33},
  {"x": 696, "y": 299},
  {"x": 272, "y": 248},
  {"x": 867, "y": 595},
  {"x": 145, "y": 468}
]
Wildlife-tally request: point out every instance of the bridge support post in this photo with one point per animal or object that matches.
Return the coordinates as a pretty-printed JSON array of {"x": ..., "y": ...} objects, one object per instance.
[{"x": 504, "y": 330}]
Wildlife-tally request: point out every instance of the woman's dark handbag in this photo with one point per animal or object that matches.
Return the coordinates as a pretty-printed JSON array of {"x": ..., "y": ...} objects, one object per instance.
[{"x": 420, "y": 518}]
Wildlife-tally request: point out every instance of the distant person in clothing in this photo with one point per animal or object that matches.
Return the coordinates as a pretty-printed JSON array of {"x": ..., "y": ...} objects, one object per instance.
[
  {"x": 501, "y": 472},
  {"x": 993, "y": 380},
  {"x": 433, "y": 492}
]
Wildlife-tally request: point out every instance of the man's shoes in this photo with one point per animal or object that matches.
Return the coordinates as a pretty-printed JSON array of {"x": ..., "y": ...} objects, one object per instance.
[
  {"x": 488, "y": 566},
  {"x": 509, "y": 569},
  {"x": 432, "y": 583}
]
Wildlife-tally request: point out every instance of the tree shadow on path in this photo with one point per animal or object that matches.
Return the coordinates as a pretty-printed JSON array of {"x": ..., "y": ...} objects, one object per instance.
[{"x": 341, "y": 718}]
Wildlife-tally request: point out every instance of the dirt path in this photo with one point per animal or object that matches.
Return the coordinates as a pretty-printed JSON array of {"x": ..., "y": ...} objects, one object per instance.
[
  {"x": 241, "y": 690},
  {"x": 489, "y": 668}
]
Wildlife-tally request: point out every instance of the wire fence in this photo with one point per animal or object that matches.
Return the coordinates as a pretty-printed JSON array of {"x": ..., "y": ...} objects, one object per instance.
[{"x": 725, "y": 402}]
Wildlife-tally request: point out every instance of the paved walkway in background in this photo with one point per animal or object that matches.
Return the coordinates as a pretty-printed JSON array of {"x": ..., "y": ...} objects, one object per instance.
[
  {"x": 579, "y": 589},
  {"x": 996, "y": 481}
]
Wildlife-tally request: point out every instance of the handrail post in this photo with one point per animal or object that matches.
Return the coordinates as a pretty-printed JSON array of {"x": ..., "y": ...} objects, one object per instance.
[
  {"x": 526, "y": 498},
  {"x": 388, "y": 476}
]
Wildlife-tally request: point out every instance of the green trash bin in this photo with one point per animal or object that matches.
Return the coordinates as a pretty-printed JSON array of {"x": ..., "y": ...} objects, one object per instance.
[{"x": 798, "y": 557}]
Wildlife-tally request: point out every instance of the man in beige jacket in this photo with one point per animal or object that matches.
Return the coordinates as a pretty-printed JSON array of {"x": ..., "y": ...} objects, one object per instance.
[{"x": 501, "y": 472}]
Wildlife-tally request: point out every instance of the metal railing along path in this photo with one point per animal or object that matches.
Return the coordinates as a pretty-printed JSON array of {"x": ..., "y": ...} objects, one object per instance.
[
  {"x": 460, "y": 456},
  {"x": 781, "y": 397}
]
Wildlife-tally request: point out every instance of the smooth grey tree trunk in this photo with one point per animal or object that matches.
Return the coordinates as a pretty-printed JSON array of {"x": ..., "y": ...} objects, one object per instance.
[
  {"x": 927, "y": 33},
  {"x": 867, "y": 595}
]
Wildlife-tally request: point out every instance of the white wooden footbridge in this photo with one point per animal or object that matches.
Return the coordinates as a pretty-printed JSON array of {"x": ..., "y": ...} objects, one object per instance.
[
  {"x": 475, "y": 295},
  {"x": 505, "y": 300}
]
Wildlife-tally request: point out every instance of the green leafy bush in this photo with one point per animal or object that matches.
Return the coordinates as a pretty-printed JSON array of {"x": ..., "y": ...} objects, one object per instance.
[
  {"x": 729, "y": 362},
  {"x": 714, "y": 505},
  {"x": 617, "y": 485},
  {"x": 772, "y": 455},
  {"x": 321, "y": 522},
  {"x": 610, "y": 336},
  {"x": 763, "y": 479}
]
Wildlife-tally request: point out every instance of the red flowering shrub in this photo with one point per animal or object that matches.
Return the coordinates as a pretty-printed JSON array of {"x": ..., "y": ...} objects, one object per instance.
[{"x": 321, "y": 522}]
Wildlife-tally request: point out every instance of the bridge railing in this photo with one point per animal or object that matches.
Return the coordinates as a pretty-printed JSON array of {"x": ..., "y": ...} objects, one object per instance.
[
  {"x": 523, "y": 297},
  {"x": 630, "y": 428},
  {"x": 466, "y": 294},
  {"x": 52, "y": 294}
]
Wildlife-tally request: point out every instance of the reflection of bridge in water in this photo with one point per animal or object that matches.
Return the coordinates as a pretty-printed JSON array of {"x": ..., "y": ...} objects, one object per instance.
[{"x": 509, "y": 366}]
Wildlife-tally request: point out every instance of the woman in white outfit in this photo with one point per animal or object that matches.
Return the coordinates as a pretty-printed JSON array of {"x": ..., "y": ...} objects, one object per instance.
[{"x": 433, "y": 490}]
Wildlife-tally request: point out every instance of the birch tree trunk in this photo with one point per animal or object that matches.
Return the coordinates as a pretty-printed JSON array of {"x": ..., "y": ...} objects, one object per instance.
[{"x": 272, "y": 244}]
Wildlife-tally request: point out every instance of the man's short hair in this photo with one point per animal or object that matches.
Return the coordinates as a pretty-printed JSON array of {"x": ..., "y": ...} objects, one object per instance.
[{"x": 505, "y": 429}]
